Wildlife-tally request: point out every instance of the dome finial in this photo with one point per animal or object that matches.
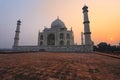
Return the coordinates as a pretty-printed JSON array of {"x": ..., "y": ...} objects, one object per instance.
[
  {"x": 85, "y": 5},
  {"x": 71, "y": 28},
  {"x": 57, "y": 17},
  {"x": 58, "y": 23}
]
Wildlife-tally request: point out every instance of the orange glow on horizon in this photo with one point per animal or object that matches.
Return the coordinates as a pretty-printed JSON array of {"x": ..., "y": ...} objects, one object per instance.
[{"x": 104, "y": 20}]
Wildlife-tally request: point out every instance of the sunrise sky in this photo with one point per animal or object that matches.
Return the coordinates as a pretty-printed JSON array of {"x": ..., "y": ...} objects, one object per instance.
[{"x": 104, "y": 18}]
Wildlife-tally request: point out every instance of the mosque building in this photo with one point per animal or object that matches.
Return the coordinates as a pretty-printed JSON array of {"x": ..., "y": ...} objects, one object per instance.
[{"x": 58, "y": 38}]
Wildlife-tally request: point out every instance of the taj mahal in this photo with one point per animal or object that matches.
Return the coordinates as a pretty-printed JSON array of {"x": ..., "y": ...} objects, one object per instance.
[{"x": 58, "y": 38}]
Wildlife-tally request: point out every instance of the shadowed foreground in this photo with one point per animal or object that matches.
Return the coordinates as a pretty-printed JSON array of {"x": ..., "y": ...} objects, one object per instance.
[{"x": 58, "y": 66}]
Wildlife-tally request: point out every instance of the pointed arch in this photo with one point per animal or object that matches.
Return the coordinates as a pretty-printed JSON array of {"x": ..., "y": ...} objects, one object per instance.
[
  {"x": 61, "y": 43},
  {"x": 51, "y": 39}
]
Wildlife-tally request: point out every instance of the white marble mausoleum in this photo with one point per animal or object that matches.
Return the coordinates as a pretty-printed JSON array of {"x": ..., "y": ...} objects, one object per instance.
[{"x": 58, "y": 38}]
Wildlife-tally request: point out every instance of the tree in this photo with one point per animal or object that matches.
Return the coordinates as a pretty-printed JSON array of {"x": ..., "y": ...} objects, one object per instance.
[{"x": 103, "y": 46}]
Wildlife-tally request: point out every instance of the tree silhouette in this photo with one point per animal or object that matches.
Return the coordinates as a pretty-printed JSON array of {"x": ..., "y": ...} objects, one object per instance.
[{"x": 104, "y": 47}]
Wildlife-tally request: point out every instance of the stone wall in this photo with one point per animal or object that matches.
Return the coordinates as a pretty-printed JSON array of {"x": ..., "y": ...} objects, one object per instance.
[{"x": 74, "y": 48}]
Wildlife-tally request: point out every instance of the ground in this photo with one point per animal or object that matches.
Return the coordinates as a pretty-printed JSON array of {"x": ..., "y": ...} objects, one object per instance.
[{"x": 59, "y": 66}]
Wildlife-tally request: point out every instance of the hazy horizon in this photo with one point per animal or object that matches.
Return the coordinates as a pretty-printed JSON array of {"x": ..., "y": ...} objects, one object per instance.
[{"x": 104, "y": 18}]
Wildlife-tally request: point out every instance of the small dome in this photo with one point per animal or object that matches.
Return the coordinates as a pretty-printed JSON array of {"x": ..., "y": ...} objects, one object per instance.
[
  {"x": 19, "y": 21},
  {"x": 58, "y": 23},
  {"x": 85, "y": 7}
]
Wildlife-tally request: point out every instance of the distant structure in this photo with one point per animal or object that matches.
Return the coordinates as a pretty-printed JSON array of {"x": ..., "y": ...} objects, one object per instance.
[
  {"x": 17, "y": 32},
  {"x": 58, "y": 38},
  {"x": 86, "y": 22}
]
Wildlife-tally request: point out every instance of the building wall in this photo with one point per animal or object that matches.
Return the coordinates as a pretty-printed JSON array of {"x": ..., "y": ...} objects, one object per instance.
[
  {"x": 57, "y": 33},
  {"x": 74, "y": 48}
]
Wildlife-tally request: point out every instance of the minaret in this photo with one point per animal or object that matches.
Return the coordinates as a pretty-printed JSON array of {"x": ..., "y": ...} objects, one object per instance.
[
  {"x": 81, "y": 38},
  {"x": 17, "y": 32},
  {"x": 86, "y": 22},
  {"x": 39, "y": 38}
]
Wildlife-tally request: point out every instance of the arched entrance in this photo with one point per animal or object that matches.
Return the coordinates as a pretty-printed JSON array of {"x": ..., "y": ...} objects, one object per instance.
[
  {"x": 51, "y": 39},
  {"x": 41, "y": 43},
  {"x": 68, "y": 43},
  {"x": 61, "y": 43}
]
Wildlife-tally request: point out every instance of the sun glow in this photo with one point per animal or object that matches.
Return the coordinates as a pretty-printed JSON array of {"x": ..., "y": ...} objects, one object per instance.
[{"x": 111, "y": 38}]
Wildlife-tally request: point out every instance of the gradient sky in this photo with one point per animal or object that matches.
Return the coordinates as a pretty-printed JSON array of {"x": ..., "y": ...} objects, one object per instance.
[{"x": 104, "y": 16}]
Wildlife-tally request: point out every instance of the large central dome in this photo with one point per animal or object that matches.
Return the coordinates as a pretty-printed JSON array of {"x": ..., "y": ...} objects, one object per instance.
[{"x": 58, "y": 24}]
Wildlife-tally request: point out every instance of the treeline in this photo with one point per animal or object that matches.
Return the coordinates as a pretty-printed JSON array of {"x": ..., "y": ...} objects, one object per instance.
[{"x": 104, "y": 47}]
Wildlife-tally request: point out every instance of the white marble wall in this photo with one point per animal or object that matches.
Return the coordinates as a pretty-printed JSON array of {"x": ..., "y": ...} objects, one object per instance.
[
  {"x": 74, "y": 48},
  {"x": 56, "y": 32}
]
